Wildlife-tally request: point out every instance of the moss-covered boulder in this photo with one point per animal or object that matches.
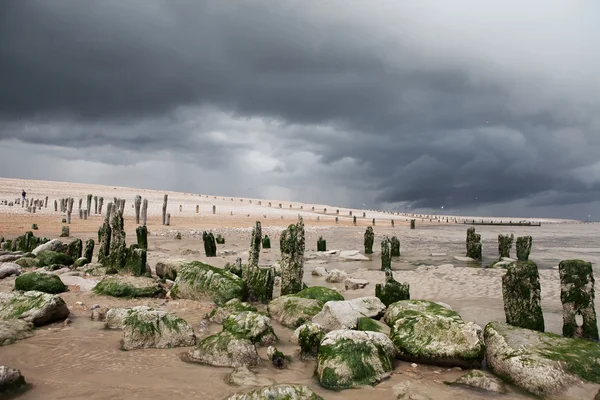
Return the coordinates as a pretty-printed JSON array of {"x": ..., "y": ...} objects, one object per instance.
[
  {"x": 28, "y": 262},
  {"x": 372, "y": 325},
  {"x": 320, "y": 293},
  {"x": 345, "y": 314},
  {"x": 427, "y": 333},
  {"x": 252, "y": 326},
  {"x": 115, "y": 317},
  {"x": 392, "y": 290},
  {"x": 544, "y": 364},
  {"x": 10, "y": 380},
  {"x": 232, "y": 307},
  {"x": 36, "y": 307},
  {"x": 81, "y": 261},
  {"x": 49, "y": 257},
  {"x": 199, "y": 281},
  {"x": 13, "y": 330},
  {"x": 26, "y": 242},
  {"x": 292, "y": 311},
  {"x": 308, "y": 336},
  {"x": 143, "y": 329},
  {"x": 354, "y": 358},
  {"x": 135, "y": 261},
  {"x": 278, "y": 392},
  {"x": 128, "y": 286},
  {"x": 53, "y": 245},
  {"x": 259, "y": 282},
  {"x": 167, "y": 269},
  {"x": 223, "y": 350},
  {"x": 41, "y": 282}
]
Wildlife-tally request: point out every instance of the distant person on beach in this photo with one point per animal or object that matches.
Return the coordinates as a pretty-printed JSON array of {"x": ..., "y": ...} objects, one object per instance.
[{"x": 23, "y": 194}]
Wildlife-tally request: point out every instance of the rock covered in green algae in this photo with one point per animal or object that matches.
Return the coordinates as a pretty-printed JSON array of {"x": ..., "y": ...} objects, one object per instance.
[
  {"x": 232, "y": 307},
  {"x": 354, "y": 358},
  {"x": 198, "y": 281},
  {"x": 143, "y": 329},
  {"x": 473, "y": 244},
  {"x": 504, "y": 245},
  {"x": 392, "y": 291},
  {"x": 32, "y": 306},
  {"x": 10, "y": 379},
  {"x": 294, "y": 310},
  {"x": 88, "y": 252},
  {"x": 372, "y": 325},
  {"x": 210, "y": 245},
  {"x": 308, "y": 336},
  {"x": 141, "y": 233},
  {"x": 135, "y": 261},
  {"x": 278, "y": 392},
  {"x": 259, "y": 282},
  {"x": 223, "y": 350},
  {"x": 81, "y": 261},
  {"x": 41, "y": 282},
  {"x": 524, "y": 247},
  {"x": 128, "y": 287},
  {"x": 521, "y": 292},
  {"x": 395, "y": 251},
  {"x": 577, "y": 297},
  {"x": 49, "y": 257},
  {"x": 13, "y": 330},
  {"x": 28, "y": 262},
  {"x": 386, "y": 254},
  {"x": 115, "y": 317},
  {"x": 480, "y": 380},
  {"x": 544, "y": 364},
  {"x": 345, "y": 314},
  {"x": 425, "y": 332},
  {"x": 252, "y": 326}
]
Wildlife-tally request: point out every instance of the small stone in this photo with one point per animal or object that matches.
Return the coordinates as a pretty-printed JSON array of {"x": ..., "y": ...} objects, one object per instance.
[
  {"x": 354, "y": 284},
  {"x": 414, "y": 365}
]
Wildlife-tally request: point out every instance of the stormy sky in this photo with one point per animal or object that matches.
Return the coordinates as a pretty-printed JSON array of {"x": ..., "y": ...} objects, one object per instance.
[{"x": 489, "y": 107}]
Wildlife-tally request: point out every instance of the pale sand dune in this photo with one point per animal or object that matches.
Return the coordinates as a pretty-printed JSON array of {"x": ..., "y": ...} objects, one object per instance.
[{"x": 83, "y": 361}]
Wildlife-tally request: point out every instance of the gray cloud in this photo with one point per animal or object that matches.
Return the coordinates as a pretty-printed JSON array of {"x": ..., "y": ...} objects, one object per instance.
[{"x": 466, "y": 106}]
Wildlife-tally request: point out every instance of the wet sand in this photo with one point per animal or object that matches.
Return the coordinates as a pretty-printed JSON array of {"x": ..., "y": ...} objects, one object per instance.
[{"x": 83, "y": 360}]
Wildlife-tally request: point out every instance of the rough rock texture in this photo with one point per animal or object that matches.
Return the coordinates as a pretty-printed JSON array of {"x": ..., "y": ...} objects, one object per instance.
[
  {"x": 336, "y": 275},
  {"x": 320, "y": 271},
  {"x": 308, "y": 336},
  {"x": 372, "y": 325},
  {"x": 369, "y": 238},
  {"x": 577, "y": 297},
  {"x": 223, "y": 350},
  {"x": 355, "y": 284},
  {"x": 49, "y": 257},
  {"x": 505, "y": 244},
  {"x": 473, "y": 244},
  {"x": 167, "y": 269},
  {"x": 354, "y": 358},
  {"x": 242, "y": 376},
  {"x": 251, "y": 325},
  {"x": 75, "y": 249},
  {"x": 35, "y": 307},
  {"x": 144, "y": 329},
  {"x": 259, "y": 281},
  {"x": 198, "y": 281},
  {"x": 28, "y": 262},
  {"x": 292, "y": 258},
  {"x": 521, "y": 292},
  {"x": 10, "y": 379},
  {"x": 13, "y": 330},
  {"x": 128, "y": 286},
  {"x": 115, "y": 317},
  {"x": 294, "y": 310},
  {"x": 395, "y": 251},
  {"x": 9, "y": 269},
  {"x": 278, "y": 392},
  {"x": 425, "y": 332},
  {"x": 232, "y": 307},
  {"x": 524, "y": 247},
  {"x": 386, "y": 254},
  {"x": 544, "y": 364},
  {"x": 481, "y": 380},
  {"x": 41, "y": 282},
  {"x": 392, "y": 291},
  {"x": 337, "y": 315}
]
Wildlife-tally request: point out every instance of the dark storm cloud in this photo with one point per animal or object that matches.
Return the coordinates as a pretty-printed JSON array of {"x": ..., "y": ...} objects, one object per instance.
[{"x": 432, "y": 105}]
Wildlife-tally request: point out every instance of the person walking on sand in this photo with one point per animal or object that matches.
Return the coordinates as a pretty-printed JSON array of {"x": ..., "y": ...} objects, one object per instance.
[{"x": 23, "y": 194}]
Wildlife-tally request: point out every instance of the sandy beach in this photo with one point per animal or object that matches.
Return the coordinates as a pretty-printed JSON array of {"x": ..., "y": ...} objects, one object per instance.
[{"x": 83, "y": 360}]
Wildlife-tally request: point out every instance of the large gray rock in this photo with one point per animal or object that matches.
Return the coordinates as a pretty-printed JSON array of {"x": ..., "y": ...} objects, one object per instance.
[
  {"x": 35, "y": 307},
  {"x": 278, "y": 392},
  {"x": 223, "y": 350},
  {"x": 167, "y": 269},
  {"x": 252, "y": 326},
  {"x": 481, "y": 380},
  {"x": 544, "y": 364},
  {"x": 199, "y": 281},
  {"x": 115, "y": 317},
  {"x": 10, "y": 257},
  {"x": 354, "y": 358},
  {"x": 144, "y": 329},
  {"x": 353, "y": 255},
  {"x": 13, "y": 330},
  {"x": 232, "y": 307},
  {"x": 292, "y": 311},
  {"x": 53, "y": 245},
  {"x": 9, "y": 269},
  {"x": 242, "y": 376},
  {"x": 425, "y": 332},
  {"x": 345, "y": 314}
]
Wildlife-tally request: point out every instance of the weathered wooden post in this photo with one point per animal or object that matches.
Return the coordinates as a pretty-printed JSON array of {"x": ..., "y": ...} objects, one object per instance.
[
  {"x": 197, "y": 208},
  {"x": 100, "y": 203},
  {"x": 214, "y": 209},
  {"x": 473, "y": 244},
  {"x": 292, "y": 258},
  {"x": 522, "y": 296},
  {"x": 395, "y": 252},
  {"x": 504, "y": 245},
  {"x": 321, "y": 244},
  {"x": 55, "y": 206},
  {"x": 89, "y": 203},
  {"x": 46, "y": 202},
  {"x": 144, "y": 211},
  {"x": 369, "y": 238},
  {"x": 138, "y": 204},
  {"x": 168, "y": 220},
  {"x": 164, "y": 209},
  {"x": 524, "y": 247},
  {"x": 141, "y": 233},
  {"x": 386, "y": 254},
  {"x": 577, "y": 297},
  {"x": 259, "y": 281},
  {"x": 85, "y": 215},
  {"x": 95, "y": 205}
]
